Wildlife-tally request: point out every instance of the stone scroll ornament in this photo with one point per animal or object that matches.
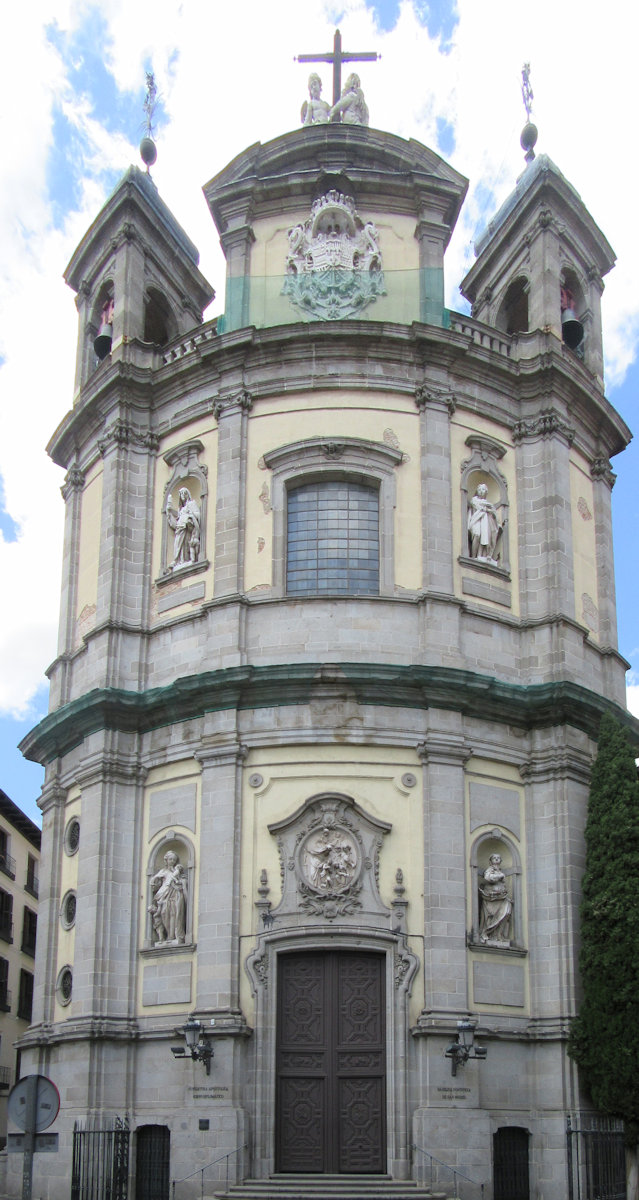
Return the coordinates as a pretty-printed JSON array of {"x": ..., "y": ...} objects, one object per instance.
[{"x": 334, "y": 264}]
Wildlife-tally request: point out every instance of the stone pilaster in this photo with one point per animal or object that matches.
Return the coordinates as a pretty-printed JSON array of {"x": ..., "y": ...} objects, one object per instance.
[
  {"x": 236, "y": 244},
  {"x": 603, "y": 479},
  {"x": 124, "y": 580},
  {"x": 591, "y": 319},
  {"x": 52, "y": 804},
  {"x": 556, "y": 778},
  {"x": 432, "y": 238},
  {"x": 107, "y": 934},
  {"x": 218, "y": 903},
  {"x": 444, "y": 754},
  {"x": 72, "y": 495},
  {"x": 436, "y": 408},
  {"x": 232, "y": 416},
  {"x": 544, "y": 515}
]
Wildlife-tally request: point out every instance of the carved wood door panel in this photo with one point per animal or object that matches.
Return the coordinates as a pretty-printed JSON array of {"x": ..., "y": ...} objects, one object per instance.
[{"x": 331, "y": 1063}]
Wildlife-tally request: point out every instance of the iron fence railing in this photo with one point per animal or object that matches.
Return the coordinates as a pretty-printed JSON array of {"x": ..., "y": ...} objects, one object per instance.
[
  {"x": 596, "y": 1157},
  {"x": 100, "y": 1169},
  {"x": 436, "y": 1164},
  {"x": 200, "y": 1170},
  {"x": 8, "y": 865}
]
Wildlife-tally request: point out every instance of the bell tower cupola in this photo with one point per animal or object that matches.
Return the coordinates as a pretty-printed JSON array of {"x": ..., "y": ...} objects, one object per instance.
[
  {"x": 541, "y": 261},
  {"x": 136, "y": 276}
]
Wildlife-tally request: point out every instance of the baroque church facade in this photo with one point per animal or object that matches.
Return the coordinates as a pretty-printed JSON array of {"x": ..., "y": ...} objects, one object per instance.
[{"x": 337, "y": 630}]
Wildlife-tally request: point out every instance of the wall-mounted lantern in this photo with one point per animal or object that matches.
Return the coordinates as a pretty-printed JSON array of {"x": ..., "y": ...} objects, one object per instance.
[
  {"x": 198, "y": 1047},
  {"x": 464, "y": 1048}
]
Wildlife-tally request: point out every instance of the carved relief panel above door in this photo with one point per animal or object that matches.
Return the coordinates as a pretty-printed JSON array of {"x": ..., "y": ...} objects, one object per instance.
[{"x": 329, "y": 862}]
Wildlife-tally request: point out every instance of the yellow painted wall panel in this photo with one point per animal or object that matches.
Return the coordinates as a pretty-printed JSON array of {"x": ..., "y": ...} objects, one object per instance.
[{"x": 380, "y": 418}]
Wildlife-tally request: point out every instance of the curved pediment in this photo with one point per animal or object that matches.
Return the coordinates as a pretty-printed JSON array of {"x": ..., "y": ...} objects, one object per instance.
[{"x": 385, "y": 172}]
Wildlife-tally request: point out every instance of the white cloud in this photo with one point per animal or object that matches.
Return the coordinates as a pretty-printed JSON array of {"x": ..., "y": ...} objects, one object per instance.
[
  {"x": 228, "y": 79},
  {"x": 632, "y": 692}
]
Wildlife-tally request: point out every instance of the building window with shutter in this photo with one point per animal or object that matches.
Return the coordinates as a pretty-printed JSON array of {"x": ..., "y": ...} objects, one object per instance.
[
  {"x": 32, "y": 885},
  {"x": 6, "y": 916},
  {"x": 5, "y": 994},
  {"x": 29, "y": 928},
  {"x": 7, "y": 863},
  {"x": 25, "y": 999}
]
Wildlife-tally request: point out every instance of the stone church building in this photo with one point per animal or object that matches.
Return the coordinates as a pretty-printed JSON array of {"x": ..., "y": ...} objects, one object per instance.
[{"x": 337, "y": 630}]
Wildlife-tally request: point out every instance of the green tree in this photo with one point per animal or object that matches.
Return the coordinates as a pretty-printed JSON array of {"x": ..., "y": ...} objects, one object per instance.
[{"x": 604, "y": 1038}]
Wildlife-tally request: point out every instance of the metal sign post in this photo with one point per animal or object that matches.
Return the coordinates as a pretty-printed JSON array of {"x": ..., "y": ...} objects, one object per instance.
[{"x": 33, "y": 1105}]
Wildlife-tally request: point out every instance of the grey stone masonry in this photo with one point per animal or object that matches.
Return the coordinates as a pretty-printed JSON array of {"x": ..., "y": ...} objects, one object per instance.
[
  {"x": 230, "y": 499},
  {"x": 445, "y": 968},
  {"x": 72, "y": 493},
  {"x": 106, "y": 936},
  {"x": 218, "y": 901},
  {"x": 124, "y": 580},
  {"x": 545, "y": 520},
  {"x": 435, "y": 407}
]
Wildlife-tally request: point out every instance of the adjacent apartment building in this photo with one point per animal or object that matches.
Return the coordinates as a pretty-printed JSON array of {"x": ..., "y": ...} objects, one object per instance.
[{"x": 19, "y": 861}]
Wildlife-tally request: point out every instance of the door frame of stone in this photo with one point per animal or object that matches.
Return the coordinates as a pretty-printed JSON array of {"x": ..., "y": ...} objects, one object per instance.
[{"x": 400, "y": 969}]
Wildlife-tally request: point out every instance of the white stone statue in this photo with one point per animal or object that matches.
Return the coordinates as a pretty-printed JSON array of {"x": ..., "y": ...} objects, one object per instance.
[
  {"x": 315, "y": 110},
  {"x": 186, "y": 523},
  {"x": 168, "y": 910},
  {"x": 351, "y": 107},
  {"x": 496, "y": 905},
  {"x": 484, "y": 527}
]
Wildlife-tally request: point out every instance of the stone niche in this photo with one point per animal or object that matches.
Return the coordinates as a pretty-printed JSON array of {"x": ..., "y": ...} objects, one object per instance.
[{"x": 184, "y": 525}]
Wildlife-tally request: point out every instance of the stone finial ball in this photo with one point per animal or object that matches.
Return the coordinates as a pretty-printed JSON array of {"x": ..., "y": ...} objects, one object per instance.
[
  {"x": 528, "y": 137},
  {"x": 148, "y": 151}
]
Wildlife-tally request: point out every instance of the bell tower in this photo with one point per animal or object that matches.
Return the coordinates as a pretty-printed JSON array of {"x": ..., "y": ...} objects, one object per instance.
[
  {"x": 136, "y": 266},
  {"x": 541, "y": 262}
]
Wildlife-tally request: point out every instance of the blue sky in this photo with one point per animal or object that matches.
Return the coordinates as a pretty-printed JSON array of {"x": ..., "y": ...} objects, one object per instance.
[{"x": 71, "y": 95}]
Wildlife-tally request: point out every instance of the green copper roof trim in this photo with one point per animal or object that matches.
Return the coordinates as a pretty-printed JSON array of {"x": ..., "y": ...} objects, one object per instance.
[{"x": 541, "y": 704}]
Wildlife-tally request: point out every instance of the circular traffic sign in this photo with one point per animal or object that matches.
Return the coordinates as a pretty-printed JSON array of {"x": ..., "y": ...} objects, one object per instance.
[{"x": 42, "y": 1095}]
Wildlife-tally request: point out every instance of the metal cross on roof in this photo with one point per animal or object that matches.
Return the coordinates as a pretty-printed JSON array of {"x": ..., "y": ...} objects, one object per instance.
[
  {"x": 337, "y": 57},
  {"x": 526, "y": 90}
]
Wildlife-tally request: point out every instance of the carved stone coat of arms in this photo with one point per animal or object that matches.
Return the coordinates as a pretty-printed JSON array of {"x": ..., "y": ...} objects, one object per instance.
[{"x": 334, "y": 263}]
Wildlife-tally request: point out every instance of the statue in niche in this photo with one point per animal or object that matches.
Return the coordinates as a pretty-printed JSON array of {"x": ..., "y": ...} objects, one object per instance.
[
  {"x": 351, "y": 106},
  {"x": 168, "y": 910},
  {"x": 315, "y": 110},
  {"x": 496, "y": 907},
  {"x": 185, "y": 521},
  {"x": 329, "y": 860},
  {"x": 484, "y": 527}
]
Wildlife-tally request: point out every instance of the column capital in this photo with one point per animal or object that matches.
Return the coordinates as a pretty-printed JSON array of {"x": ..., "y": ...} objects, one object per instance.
[
  {"x": 221, "y": 755},
  {"x": 431, "y": 397},
  {"x": 449, "y": 749}
]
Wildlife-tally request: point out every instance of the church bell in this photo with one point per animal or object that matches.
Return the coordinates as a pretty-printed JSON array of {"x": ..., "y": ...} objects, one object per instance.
[
  {"x": 572, "y": 331},
  {"x": 104, "y": 340}
]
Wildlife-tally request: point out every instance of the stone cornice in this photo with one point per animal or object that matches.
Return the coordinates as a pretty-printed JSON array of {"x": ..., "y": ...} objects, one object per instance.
[
  {"x": 418, "y": 687},
  {"x": 366, "y": 356}
]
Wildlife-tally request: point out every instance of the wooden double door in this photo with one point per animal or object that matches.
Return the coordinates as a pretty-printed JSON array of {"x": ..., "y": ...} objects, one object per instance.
[{"x": 331, "y": 1063}]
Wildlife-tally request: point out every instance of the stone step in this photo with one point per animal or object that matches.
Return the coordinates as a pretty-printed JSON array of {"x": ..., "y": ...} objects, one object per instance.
[{"x": 330, "y": 1187}]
